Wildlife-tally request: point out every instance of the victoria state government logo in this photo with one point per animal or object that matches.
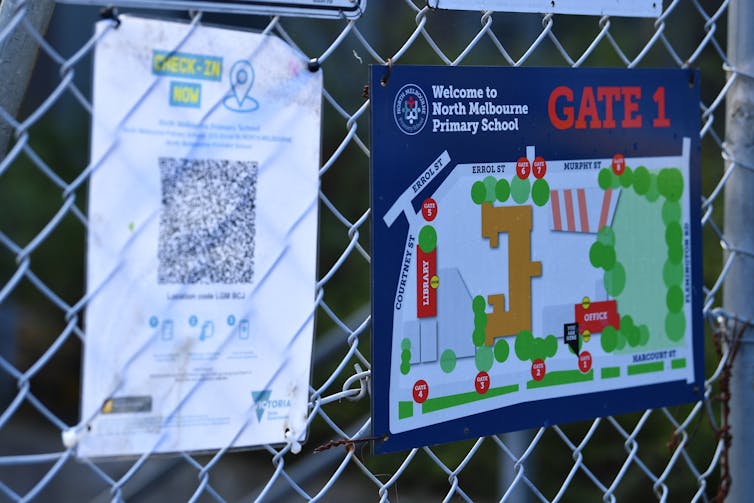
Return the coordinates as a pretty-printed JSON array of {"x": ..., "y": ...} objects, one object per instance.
[
  {"x": 275, "y": 408},
  {"x": 410, "y": 109}
]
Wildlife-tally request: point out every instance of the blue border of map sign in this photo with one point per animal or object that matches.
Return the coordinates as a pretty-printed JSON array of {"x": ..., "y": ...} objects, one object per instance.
[{"x": 402, "y": 149}]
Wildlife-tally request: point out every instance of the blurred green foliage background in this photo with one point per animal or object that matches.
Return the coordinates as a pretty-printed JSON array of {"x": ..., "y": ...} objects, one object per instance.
[{"x": 29, "y": 199}]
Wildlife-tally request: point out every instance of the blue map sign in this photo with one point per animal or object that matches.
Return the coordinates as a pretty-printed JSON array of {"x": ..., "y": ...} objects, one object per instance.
[{"x": 536, "y": 247}]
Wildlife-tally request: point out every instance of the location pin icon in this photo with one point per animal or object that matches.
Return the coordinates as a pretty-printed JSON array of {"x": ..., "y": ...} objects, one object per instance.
[{"x": 241, "y": 80}]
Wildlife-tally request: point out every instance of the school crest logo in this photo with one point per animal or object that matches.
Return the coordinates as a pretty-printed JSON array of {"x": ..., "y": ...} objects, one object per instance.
[{"x": 410, "y": 109}]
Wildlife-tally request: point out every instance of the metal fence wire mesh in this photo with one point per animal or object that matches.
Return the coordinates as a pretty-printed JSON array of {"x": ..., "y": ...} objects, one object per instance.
[{"x": 676, "y": 454}]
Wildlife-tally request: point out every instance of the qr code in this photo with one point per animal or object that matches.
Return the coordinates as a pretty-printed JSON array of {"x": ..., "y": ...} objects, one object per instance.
[{"x": 206, "y": 221}]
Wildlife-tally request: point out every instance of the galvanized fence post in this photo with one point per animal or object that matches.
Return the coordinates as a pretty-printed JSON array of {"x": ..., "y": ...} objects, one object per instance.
[
  {"x": 19, "y": 54},
  {"x": 739, "y": 232}
]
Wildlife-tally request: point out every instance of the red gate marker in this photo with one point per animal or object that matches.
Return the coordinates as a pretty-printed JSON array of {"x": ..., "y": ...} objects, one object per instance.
[
  {"x": 482, "y": 382},
  {"x": 585, "y": 361},
  {"x": 538, "y": 369},
  {"x": 523, "y": 168},
  {"x": 429, "y": 209},
  {"x": 539, "y": 168},
  {"x": 421, "y": 390},
  {"x": 619, "y": 164}
]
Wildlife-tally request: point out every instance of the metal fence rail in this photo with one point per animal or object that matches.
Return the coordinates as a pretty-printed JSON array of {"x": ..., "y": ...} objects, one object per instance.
[{"x": 676, "y": 454}]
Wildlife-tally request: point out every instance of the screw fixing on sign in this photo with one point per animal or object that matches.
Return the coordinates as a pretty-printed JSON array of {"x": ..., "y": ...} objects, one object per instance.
[{"x": 421, "y": 390}]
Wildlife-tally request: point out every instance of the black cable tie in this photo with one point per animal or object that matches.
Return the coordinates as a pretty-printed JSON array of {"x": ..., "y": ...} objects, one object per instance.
[{"x": 110, "y": 13}]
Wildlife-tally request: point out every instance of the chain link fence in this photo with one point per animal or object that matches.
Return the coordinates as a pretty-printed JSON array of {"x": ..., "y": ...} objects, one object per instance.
[{"x": 677, "y": 454}]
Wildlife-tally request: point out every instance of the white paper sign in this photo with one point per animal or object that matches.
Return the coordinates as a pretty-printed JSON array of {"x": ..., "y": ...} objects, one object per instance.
[
  {"x": 202, "y": 240},
  {"x": 350, "y": 9},
  {"x": 629, "y": 8}
]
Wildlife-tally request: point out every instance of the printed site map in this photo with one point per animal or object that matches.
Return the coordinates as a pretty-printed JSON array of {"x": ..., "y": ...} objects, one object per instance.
[{"x": 534, "y": 251}]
